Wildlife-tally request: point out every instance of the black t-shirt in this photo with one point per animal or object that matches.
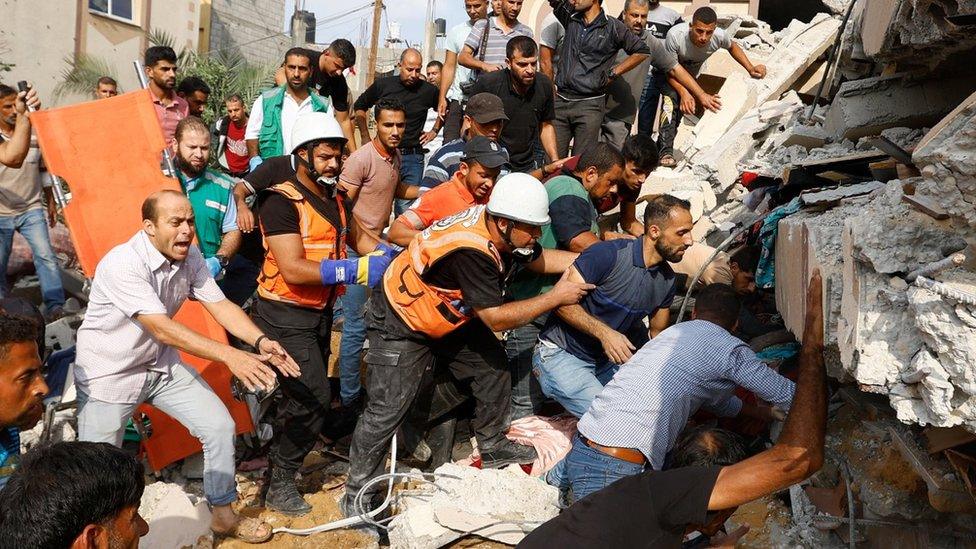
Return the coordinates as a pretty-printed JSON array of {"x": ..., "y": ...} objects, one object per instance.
[
  {"x": 416, "y": 100},
  {"x": 649, "y": 510},
  {"x": 279, "y": 215},
  {"x": 525, "y": 113},
  {"x": 272, "y": 171},
  {"x": 334, "y": 87}
]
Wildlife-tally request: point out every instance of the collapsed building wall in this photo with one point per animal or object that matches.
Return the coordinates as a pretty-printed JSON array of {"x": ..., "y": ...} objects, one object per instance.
[{"x": 884, "y": 331}]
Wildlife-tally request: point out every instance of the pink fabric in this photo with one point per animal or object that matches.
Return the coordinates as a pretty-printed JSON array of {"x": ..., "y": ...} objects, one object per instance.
[{"x": 552, "y": 437}]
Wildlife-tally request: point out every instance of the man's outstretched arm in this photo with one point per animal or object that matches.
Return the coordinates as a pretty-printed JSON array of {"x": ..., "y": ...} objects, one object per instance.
[{"x": 800, "y": 449}]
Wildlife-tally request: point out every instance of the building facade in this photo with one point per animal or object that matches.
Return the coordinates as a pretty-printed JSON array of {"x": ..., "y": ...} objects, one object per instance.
[
  {"x": 42, "y": 38},
  {"x": 255, "y": 28}
]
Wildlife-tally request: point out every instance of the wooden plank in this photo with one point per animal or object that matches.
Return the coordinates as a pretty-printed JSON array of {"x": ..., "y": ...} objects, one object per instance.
[
  {"x": 941, "y": 438},
  {"x": 858, "y": 156},
  {"x": 925, "y": 205}
]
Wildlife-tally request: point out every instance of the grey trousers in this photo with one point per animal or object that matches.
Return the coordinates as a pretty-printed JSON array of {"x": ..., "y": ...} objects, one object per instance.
[
  {"x": 579, "y": 122},
  {"x": 615, "y": 132},
  {"x": 186, "y": 397}
]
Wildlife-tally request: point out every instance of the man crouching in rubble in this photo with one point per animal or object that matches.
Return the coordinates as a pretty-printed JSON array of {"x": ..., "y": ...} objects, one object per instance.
[
  {"x": 128, "y": 350},
  {"x": 655, "y": 509}
]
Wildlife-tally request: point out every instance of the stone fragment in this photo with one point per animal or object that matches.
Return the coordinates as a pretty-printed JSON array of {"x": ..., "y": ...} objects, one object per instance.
[
  {"x": 467, "y": 499},
  {"x": 174, "y": 520}
]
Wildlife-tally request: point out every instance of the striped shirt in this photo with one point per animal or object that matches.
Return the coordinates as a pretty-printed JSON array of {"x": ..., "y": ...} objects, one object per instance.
[
  {"x": 445, "y": 161},
  {"x": 497, "y": 40},
  {"x": 692, "y": 365},
  {"x": 115, "y": 351}
]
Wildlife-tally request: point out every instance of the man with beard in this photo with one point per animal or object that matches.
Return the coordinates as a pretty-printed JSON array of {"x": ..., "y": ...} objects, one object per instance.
[
  {"x": 128, "y": 350},
  {"x": 22, "y": 388},
  {"x": 582, "y": 346},
  {"x": 480, "y": 166},
  {"x": 528, "y": 100},
  {"x": 306, "y": 224},
  {"x": 417, "y": 98},
  {"x": 636, "y": 420},
  {"x": 441, "y": 301},
  {"x": 214, "y": 208},
  {"x": 274, "y": 112},
  {"x": 160, "y": 66}
]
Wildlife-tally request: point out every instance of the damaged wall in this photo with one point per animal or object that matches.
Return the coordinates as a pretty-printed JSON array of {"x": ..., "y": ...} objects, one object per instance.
[{"x": 921, "y": 33}]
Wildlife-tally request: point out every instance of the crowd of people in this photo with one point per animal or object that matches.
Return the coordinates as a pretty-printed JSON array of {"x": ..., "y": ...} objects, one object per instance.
[{"x": 481, "y": 235}]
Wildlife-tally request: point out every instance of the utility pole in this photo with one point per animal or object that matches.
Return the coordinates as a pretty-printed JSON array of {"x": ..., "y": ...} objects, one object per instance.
[{"x": 374, "y": 43}]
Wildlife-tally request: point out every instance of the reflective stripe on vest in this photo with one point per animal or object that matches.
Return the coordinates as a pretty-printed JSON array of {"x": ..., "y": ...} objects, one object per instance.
[
  {"x": 321, "y": 241},
  {"x": 423, "y": 307}
]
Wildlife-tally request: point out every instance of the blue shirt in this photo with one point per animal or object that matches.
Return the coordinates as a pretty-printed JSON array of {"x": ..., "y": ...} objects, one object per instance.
[
  {"x": 691, "y": 365},
  {"x": 627, "y": 291},
  {"x": 9, "y": 453}
]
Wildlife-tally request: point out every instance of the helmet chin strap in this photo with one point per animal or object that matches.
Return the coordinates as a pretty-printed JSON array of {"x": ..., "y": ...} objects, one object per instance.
[
  {"x": 520, "y": 253},
  {"x": 328, "y": 182}
]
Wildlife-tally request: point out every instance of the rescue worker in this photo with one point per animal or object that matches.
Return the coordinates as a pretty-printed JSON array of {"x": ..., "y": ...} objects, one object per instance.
[
  {"x": 305, "y": 224},
  {"x": 441, "y": 300}
]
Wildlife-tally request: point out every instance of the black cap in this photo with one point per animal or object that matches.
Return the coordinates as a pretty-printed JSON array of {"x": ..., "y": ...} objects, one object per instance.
[
  {"x": 487, "y": 152},
  {"x": 485, "y": 107}
]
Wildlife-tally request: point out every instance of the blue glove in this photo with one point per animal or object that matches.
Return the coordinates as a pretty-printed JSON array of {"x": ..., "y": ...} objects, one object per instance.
[
  {"x": 365, "y": 271},
  {"x": 213, "y": 265},
  {"x": 389, "y": 249},
  {"x": 254, "y": 162}
]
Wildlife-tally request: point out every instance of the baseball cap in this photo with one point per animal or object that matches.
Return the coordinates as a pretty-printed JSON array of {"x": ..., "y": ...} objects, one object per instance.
[
  {"x": 485, "y": 107},
  {"x": 485, "y": 151}
]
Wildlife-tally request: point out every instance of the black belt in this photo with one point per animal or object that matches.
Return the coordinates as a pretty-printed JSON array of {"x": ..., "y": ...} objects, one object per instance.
[{"x": 413, "y": 150}]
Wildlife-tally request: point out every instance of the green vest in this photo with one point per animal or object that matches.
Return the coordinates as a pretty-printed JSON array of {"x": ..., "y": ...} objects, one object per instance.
[
  {"x": 270, "y": 142},
  {"x": 527, "y": 284},
  {"x": 209, "y": 195}
]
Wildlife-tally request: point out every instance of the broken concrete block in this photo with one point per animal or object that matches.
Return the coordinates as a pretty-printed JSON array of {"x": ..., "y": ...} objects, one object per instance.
[
  {"x": 468, "y": 500},
  {"x": 837, "y": 194},
  {"x": 868, "y": 106},
  {"x": 798, "y": 48},
  {"x": 174, "y": 520},
  {"x": 916, "y": 33},
  {"x": 681, "y": 184},
  {"x": 738, "y": 96},
  {"x": 808, "y": 137},
  {"x": 945, "y": 156}
]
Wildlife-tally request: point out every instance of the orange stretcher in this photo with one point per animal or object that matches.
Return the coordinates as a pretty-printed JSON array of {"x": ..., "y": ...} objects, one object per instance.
[{"x": 109, "y": 152}]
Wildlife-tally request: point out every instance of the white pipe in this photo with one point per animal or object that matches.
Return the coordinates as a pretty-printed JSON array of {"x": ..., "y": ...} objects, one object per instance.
[{"x": 351, "y": 521}]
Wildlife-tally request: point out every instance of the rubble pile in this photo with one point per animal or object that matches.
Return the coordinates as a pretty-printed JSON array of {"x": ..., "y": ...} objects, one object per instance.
[
  {"x": 885, "y": 170},
  {"x": 501, "y": 505}
]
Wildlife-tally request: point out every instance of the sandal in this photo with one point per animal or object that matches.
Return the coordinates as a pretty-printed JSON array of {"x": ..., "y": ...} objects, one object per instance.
[
  {"x": 667, "y": 161},
  {"x": 246, "y": 530}
]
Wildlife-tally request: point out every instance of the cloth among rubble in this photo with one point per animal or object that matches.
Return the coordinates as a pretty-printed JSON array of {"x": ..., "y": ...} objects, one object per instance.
[
  {"x": 765, "y": 272},
  {"x": 551, "y": 437}
]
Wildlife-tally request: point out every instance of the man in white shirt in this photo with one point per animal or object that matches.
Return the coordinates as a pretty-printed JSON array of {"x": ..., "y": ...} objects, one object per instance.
[
  {"x": 128, "y": 350},
  {"x": 274, "y": 112}
]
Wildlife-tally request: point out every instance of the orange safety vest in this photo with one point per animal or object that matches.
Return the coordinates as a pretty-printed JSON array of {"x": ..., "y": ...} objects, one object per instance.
[
  {"x": 322, "y": 240},
  {"x": 423, "y": 307}
]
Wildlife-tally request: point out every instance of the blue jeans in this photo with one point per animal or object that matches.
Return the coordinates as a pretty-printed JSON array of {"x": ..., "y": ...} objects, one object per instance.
[
  {"x": 572, "y": 381},
  {"x": 32, "y": 225},
  {"x": 185, "y": 396},
  {"x": 353, "y": 337},
  {"x": 519, "y": 344},
  {"x": 411, "y": 173},
  {"x": 650, "y": 97},
  {"x": 587, "y": 470}
]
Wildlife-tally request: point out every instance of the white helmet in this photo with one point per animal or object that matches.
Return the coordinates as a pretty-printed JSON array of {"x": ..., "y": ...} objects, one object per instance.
[
  {"x": 315, "y": 126},
  {"x": 520, "y": 197}
]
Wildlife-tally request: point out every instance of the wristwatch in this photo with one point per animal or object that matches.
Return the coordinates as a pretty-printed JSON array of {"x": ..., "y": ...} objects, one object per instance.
[
  {"x": 611, "y": 76},
  {"x": 222, "y": 260}
]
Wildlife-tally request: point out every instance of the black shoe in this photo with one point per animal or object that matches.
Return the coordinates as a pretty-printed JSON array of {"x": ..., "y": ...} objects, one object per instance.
[
  {"x": 507, "y": 453},
  {"x": 283, "y": 496},
  {"x": 341, "y": 422}
]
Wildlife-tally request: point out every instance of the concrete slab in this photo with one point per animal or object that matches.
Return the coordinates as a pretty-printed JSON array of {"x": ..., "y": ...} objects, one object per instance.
[{"x": 868, "y": 106}]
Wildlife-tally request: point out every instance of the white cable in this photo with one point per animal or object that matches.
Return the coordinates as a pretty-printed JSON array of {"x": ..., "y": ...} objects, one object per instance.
[{"x": 351, "y": 521}]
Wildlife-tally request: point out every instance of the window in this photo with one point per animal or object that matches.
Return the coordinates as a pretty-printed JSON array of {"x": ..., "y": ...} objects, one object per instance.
[{"x": 121, "y": 9}]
